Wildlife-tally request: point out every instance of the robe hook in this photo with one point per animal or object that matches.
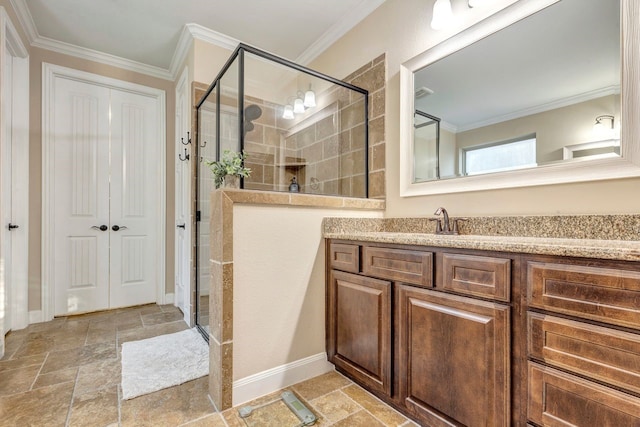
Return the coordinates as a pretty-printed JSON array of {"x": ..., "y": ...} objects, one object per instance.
[
  {"x": 186, "y": 156},
  {"x": 188, "y": 140}
]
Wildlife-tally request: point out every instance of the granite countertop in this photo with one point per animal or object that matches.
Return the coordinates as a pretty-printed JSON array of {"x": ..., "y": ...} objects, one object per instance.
[{"x": 624, "y": 250}]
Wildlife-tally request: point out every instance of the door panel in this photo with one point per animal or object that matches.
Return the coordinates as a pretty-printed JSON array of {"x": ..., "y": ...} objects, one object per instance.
[
  {"x": 133, "y": 192},
  {"x": 81, "y": 152}
]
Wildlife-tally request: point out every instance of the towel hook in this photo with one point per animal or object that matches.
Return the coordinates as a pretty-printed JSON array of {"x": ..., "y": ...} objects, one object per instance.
[
  {"x": 188, "y": 140},
  {"x": 186, "y": 156}
]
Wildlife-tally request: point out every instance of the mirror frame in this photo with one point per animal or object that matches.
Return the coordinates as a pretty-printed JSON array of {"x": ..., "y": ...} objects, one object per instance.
[{"x": 625, "y": 166}]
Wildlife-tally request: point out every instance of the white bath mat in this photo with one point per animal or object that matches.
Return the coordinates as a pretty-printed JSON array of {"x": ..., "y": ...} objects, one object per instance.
[{"x": 163, "y": 361}]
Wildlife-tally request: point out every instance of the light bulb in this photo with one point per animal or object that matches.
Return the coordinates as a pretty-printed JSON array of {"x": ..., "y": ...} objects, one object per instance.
[
  {"x": 298, "y": 106},
  {"x": 288, "y": 112},
  {"x": 309, "y": 99},
  {"x": 442, "y": 14}
]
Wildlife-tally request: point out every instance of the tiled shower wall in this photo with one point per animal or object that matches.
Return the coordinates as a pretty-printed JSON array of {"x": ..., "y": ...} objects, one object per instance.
[{"x": 325, "y": 152}]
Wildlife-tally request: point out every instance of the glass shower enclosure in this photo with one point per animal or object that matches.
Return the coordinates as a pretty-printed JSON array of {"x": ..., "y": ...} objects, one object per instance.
[{"x": 301, "y": 131}]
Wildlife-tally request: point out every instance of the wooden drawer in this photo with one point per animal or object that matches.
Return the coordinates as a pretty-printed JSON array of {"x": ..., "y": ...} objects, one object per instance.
[
  {"x": 401, "y": 265},
  {"x": 476, "y": 275},
  {"x": 560, "y": 399},
  {"x": 604, "y": 354},
  {"x": 344, "y": 256},
  {"x": 605, "y": 294}
]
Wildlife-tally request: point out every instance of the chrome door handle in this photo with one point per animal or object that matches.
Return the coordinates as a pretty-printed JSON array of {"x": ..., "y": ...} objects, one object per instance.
[
  {"x": 101, "y": 228},
  {"x": 12, "y": 226},
  {"x": 183, "y": 226},
  {"x": 117, "y": 227}
]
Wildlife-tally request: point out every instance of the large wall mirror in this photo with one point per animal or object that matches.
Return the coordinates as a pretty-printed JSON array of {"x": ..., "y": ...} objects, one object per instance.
[{"x": 543, "y": 92}]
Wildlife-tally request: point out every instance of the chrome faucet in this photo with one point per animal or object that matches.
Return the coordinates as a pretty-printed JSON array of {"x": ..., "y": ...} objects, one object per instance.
[{"x": 444, "y": 226}]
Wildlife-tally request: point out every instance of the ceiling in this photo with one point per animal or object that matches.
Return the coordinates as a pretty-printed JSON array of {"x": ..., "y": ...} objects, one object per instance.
[{"x": 147, "y": 33}]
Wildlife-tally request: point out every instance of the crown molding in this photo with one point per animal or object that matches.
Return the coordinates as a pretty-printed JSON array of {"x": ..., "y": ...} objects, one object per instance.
[
  {"x": 103, "y": 58},
  {"x": 191, "y": 32},
  {"x": 339, "y": 29},
  {"x": 25, "y": 19}
]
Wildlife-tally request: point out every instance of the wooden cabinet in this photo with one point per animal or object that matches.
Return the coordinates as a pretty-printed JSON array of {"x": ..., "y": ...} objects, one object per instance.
[
  {"x": 585, "y": 365},
  {"x": 441, "y": 358},
  {"x": 454, "y": 337},
  {"x": 359, "y": 328},
  {"x": 453, "y": 358}
]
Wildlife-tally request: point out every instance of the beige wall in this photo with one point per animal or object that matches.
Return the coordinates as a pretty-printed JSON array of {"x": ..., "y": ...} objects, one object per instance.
[
  {"x": 401, "y": 29},
  {"x": 278, "y": 284},
  {"x": 37, "y": 58}
]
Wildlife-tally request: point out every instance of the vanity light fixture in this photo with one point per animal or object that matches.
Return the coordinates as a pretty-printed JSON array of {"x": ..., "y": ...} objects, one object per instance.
[
  {"x": 298, "y": 106},
  {"x": 309, "y": 98},
  {"x": 442, "y": 14},
  {"x": 288, "y": 112}
]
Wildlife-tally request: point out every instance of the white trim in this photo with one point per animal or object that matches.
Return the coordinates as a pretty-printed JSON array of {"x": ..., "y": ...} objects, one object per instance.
[
  {"x": 49, "y": 73},
  {"x": 627, "y": 165},
  {"x": 339, "y": 29},
  {"x": 253, "y": 386},
  {"x": 182, "y": 87},
  {"x": 25, "y": 19},
  {"x": 20, "y": 170},
  {"x": 36, "y": 316},
  {"x": 103, "y": 58}
]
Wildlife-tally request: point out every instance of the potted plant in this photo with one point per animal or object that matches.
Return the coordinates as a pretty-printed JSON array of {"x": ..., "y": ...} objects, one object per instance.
[{"x": 229, "y": 168}]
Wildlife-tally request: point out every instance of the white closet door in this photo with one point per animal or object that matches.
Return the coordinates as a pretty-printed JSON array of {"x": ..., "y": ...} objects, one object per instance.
[
  {"x": 80, "y": 141},
  {"x": 134, "y": 196},
  {"x": 5, "y": 203}
]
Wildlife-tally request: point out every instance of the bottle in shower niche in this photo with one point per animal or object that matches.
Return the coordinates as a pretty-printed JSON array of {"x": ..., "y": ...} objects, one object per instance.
[{"x": 294, "y": 187}]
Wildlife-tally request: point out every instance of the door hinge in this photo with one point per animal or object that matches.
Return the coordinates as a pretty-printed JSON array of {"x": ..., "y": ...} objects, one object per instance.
[{"x": 197, "y": 215}]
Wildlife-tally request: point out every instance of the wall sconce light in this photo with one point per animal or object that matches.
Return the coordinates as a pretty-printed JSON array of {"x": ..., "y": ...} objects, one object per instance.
[{"x": 442, "y": 14}]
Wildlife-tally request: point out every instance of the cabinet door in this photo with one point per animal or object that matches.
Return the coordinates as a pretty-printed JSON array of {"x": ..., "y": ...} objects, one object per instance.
[
  {"x": 453, "y": 358},
  {"x": 359, "y": 328}
]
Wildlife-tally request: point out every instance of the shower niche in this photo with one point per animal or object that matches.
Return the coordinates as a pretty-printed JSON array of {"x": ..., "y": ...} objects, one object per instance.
[{"x": 290, "y": 121}]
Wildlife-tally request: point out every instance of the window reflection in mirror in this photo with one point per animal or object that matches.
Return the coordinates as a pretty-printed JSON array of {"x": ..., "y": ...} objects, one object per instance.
[{"x": 549, "y": 75}]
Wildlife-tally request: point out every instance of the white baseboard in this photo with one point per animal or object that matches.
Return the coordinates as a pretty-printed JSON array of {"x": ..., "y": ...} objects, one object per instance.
[
  {"x": 35, "y": 316},
  {"x": 268, "y": 381}
]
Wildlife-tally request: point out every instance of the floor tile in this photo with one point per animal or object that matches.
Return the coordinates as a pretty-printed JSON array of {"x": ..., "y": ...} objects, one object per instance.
[
  {"x": 97, "y": 408},
  {"x": 359, "y": 419},
  {"x": 169, "y": 407},
  {"x": 213, "y": 420},
  {"x": 18, "y": 380},
  {"x": 97, "y": 375},
  {"x": 47, "y": 406},
  {"x": 336, "y": 406},
  {"x": 374, "y": 406},
  {"x": 163, "y": 317},
  {"x": 321, "y": 385},
  {"x": 21, "y": 362},
  {"x": 56, "y": 377},
  {"x": 79, "y": 356}
]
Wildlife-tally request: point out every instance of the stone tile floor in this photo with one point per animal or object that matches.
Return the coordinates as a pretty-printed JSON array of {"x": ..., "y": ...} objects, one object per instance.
[{"x": 66, "y": 372}]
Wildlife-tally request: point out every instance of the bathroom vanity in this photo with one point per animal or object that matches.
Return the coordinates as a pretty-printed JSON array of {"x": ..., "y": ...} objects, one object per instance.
[{"x": 488, "y": 330}]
